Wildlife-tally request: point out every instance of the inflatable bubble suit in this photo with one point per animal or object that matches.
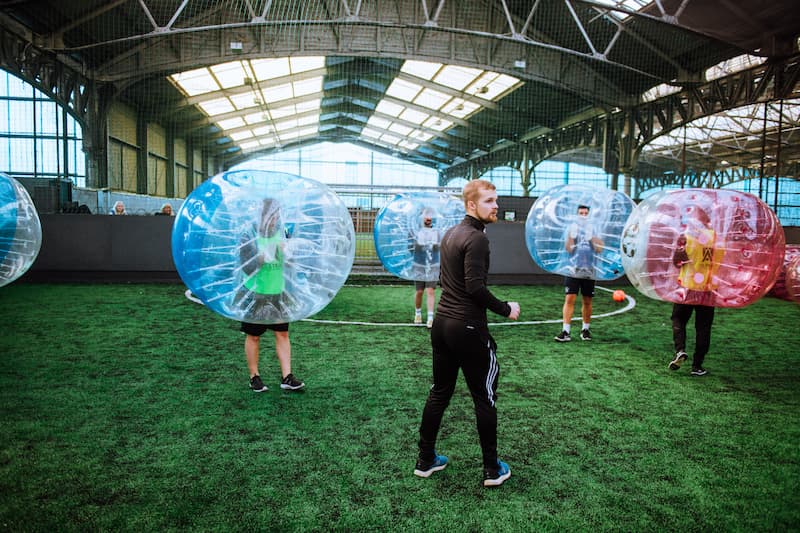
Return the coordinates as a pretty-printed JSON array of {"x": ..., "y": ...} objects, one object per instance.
[
  {"x": 793, "y": 279},
  {"x": 20, "y": 230},
  {"x": 779, "y": 289},
  {"x": 263, "y": 247},
  {"x": 554, "y": 223},
  {"x": 711, "y": 247},
  {"x": 406, "y": 246}
]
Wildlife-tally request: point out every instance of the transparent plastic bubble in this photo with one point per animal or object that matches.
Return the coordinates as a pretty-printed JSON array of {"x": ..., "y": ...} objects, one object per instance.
[
  {"x": 554, "y": 223},
  {"x": 263, "y": 247},
  {"x": 779, "y": 289},
  {"x": 793, "y": 279},
  {"x": 407, "y": 247},
  {"x": 20, "y": 230},
  {"x": 703, "y": 246}
]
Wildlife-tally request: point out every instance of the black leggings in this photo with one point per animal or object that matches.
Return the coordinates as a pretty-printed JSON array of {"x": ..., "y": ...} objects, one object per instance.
[
  {"x": 703, "y": 319},
  {"x": 470, "y": 348}
]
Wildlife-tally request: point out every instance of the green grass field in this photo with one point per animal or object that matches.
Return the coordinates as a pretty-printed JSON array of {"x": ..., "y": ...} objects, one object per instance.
[{"x": 126, "y": 408}]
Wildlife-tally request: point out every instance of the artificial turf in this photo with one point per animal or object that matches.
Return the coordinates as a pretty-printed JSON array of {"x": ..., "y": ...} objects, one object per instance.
[{"x": 126, "y": 407}]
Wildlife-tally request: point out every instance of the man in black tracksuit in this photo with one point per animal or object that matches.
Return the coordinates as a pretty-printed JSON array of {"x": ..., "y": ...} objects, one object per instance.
[{"x": 460, "y": 335}]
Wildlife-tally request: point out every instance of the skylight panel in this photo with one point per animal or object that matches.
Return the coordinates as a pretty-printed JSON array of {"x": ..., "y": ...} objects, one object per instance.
[
  {"x": 421, "y": 69},
  {"x": 390, "y": 139},
  {"x": 283, "y": 111},
  {"x": 305, "y": 121},
  {"x": 404, "y": 90},
  {"x": 230, "y": 74},
  {"x": 263, "y": 130},
  {"x": 255, "y": 118},
  {"x": 457, "y": 77},
  {"x": 216, "y": 106},
  {"x": 438, "y": 124},
  {"x": 277, "y": 93},
  {"x": 491, "y": 85},
  {"x": 307, "y": 132},
  {"x": 267, "y": 69},
  {"x": 431, "y": 98},
  {"x": 389, "y": 108},
  {"x": 310, "y": 86},
  {"x": 460, "y": 108},
  {"x": 302, "y": 64},
  {"x": 412, "y": 115},
  {"x": 308, "y": 105},
  {"x": 243, "y": 101},
  {"x": 408, "y": 145},
  {"x": 194, "y": 82},
  {"x": 369, "y": 132},
  {"x": 239, "y": 135},
  {"x": 631, "y": 5},
  {"x": 379, "y": 123},
  {"x": 249, "y": 145},
  {"x": 231, "y": 123},
  {"x": 401, "y": 129},
  {"x": 733, "y": 65},
  {"x": 284, "y": 125}
]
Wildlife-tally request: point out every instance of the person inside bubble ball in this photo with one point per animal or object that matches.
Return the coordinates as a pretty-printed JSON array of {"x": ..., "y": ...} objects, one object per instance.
[
  {"x": 426, "y": 253},
  {"x": 166, "y": 210},
  {"x": 582, "y": 245},
  {"x": 460, "y": 336},
  {"x": 261, "y": 254},
  {"x": 119, "y": 208},
  {"x": 697, "y": 257}
]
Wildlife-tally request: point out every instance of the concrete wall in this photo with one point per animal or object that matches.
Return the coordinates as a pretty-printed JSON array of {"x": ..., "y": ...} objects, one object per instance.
[{"x": 138, "y": 248}]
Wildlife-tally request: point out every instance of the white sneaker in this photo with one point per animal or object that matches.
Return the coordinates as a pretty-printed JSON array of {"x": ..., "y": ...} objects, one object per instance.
[
  {"x": 429, "y": 323},
  {"x": 417, "y": 319}
]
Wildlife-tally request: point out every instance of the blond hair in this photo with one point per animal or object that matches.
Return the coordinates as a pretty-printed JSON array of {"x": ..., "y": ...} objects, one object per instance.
[{"x": 472, "y": 190}]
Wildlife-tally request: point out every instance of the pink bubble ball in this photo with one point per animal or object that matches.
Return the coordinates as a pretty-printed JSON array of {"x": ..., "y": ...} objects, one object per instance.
[{"x": 719, "y": 248}]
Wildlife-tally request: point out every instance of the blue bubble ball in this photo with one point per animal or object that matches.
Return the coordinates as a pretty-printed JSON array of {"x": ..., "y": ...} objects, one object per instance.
[
  {"x": 263, "y": 247},
  {"x": 20, "y": 230},
  {"x": 554, "y": 225},
  {"x": 407, "y": 247}
]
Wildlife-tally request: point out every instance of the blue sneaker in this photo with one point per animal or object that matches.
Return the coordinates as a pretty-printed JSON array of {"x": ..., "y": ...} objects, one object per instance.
[
  {"x": 495, "y": 477},
  {"x": 424, "y": 469}
]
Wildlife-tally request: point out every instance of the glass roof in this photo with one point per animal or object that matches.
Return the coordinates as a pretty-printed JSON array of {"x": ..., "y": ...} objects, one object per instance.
[{"x": 266, "y": 103}]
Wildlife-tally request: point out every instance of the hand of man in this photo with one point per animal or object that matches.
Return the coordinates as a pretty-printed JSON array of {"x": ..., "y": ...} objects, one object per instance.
[{"x": 514, "y": 310}]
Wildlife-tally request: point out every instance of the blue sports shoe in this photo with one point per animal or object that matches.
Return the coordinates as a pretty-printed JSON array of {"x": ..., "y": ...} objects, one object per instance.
[
  {"x": 495, "y": 477},
  {"x": 425, "y": 469}
]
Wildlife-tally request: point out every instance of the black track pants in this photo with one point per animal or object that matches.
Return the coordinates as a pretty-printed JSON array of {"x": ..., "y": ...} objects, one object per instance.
[{"x": 470, "y": 348}]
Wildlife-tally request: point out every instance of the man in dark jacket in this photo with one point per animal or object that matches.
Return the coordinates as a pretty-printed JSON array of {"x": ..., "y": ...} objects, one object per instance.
[{"x": 460, "y": 335}]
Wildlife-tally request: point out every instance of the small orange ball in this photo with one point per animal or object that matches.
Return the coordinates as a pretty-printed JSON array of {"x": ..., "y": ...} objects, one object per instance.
[{"x": 618, "y": 295}]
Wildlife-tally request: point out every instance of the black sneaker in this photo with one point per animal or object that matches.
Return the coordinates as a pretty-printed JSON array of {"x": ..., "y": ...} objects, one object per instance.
[
  {"x": 586, "y": 335},
  {"x": 424, "y": 469},
  {"x": 676, "y": 363},
  {"x": 291, "y": 383},
  {"x": 494, "y": 477},
  {"x": 256, "y": 384},
  {"x": 563, "y": 337},
  {"x": 699, "y": 371}
]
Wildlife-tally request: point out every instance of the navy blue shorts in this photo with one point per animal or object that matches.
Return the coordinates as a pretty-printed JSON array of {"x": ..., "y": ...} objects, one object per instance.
[
  {"x": 257, "y": 330},
  {"x": 573, "y": 285}
]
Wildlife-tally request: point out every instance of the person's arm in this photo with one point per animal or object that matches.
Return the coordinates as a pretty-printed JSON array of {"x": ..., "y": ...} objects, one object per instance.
[
  {"x": 248, "y": 254},
  {"x": 680, "y": 257},
  {"x": 475, "y": 275}
]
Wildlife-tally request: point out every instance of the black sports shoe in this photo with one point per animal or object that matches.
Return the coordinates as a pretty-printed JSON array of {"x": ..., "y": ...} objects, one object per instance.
[
  {"x": 586, "y": 335},
  {"x": 291, "y": 383},
  {"x": 424, "y": 469},
  {"x": 563, "y": 337},
  {"x": 676, "y": 363},
  {"x": 494, "y": 477},
  {"x": 699, "y": 371},
  {"x": 256, "y": 384}
]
